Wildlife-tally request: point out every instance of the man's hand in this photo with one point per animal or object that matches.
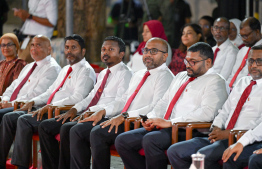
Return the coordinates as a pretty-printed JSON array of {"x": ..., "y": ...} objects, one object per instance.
[
  {"x": 218, "y": 134},
  {"x": 83, "y": 116},
  {"x": 259, "y": 151},
  {"x": 114, "y": 122},
  {"x": 1, "y": 105},
  {"x": 22, "y": 14},
  {"x": 148, "y": 127},
  {"x": 69, "y": 114},
  {"x": 27, "y": 106},
  {"x": 6, "y": 104},
  {"x": 159, "y": 122},
  {"x": 235, "y": 148},
  {"x": 40, "y": 112},
  {"x": 95, "y": 117}
]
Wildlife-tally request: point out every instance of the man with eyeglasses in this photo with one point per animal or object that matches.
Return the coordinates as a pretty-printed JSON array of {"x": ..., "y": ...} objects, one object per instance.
[
  {"x": 251, "y": 36},
  {"x": 194, "y": 95},
  {"x": 241, "y": 111},
  {"x": 224, "y": 52},
  {"x": 146, "y": 87},
  {"x": 205, "y": 22}
]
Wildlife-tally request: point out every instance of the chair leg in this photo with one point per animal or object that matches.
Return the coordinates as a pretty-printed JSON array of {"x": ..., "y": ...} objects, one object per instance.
[{"x": 35, "y": 153}]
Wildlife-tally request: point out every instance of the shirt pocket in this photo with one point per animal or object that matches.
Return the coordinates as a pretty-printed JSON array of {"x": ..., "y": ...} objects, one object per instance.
[{"x": 253, "y": 106}]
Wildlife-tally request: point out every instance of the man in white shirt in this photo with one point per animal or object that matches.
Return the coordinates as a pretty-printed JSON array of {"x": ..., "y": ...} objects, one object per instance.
[
  {"x": 110, "y": 86},
  {"x": 251, "y": 140},
  {"x": 224, "y": 52},
  {"x": 73, "y": 84},
  {"x": 43, "y": 75},
  {"x": 37, "y": 83},
  {"x": 194, "y": 95},
  {"x": 242, "y": 110},
  {"x": 146, "y": 87},
  {"x": 40, "y": 19},
  {"x": 251, "y": 36}
]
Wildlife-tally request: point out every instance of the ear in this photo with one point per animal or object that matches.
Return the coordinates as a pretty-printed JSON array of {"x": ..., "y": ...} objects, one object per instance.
[
  {"x": 165, "y": 56},
  {"x": 199, "y": 36},
  {"x": 83, "y": 52},
  {"x": 121, "y": 55},
  {"x": 209, "y": 63},
  {"x": 49, "y": 50}
]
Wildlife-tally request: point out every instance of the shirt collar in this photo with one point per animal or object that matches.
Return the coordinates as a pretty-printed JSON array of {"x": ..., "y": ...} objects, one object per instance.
[
  {"x": 43, "y": 61},
  {"x": 79, "y": 64},
  {"x": 115, "y": 68},
  {"x": 223, "y": 45},
  {"x": 258, "y": 42},
  {"x": 155, "y": 70},
  {"x": 259, "y": 82}
]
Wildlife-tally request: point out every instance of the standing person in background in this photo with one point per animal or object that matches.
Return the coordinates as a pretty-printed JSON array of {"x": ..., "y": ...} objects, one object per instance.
[
  {"x": 175, "y": 14},
  {"x": 191, "y": 34},
  {"x": 151, "y": 29},
  {"x": 3, "y": 14},
  {"x": 234, "y": 33},
  {"x": 206, "y": 22},
  {"x": 11, "y": 66},
  {"x": 40, "y": 19}
]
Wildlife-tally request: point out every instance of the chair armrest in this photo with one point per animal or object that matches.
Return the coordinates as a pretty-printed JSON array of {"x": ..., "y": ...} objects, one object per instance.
[
  {"x": 17, "y": 103},
  {"x": 128, "y": 121},
  {"x": 58, "y": 109},
  {"x": 235, "y": 135},
  {"x": 175, "y": 127},
  {"x": 50, "y": 111},
  {"x": 196, "y": 125}
]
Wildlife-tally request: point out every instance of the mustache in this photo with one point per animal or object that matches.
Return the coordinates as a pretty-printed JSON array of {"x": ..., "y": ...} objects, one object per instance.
[
  {"x": 70, "y": 54},
  {"x": 188, "y": 68},
  {"x": 148, "y": 58},
  {"x": 106, "y": 55}
]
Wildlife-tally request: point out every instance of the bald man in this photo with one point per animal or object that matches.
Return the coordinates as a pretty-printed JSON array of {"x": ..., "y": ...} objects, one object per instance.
[{"x": 73, "y": 84}]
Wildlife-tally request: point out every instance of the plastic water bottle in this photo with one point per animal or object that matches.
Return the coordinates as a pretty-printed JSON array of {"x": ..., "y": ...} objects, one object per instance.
[
  {"x": 39, "y": 160},
  {"x": 198, "y": 161}
]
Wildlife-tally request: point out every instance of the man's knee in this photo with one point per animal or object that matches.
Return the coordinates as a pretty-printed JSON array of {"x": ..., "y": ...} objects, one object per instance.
[
  {"x": 120, "y": 141},
  {"x": 255, "y": 161}
]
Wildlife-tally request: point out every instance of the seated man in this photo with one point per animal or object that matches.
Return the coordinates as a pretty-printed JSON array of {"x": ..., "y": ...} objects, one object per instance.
[
  {"x": 194, "y": 95},
  {"x": 73, "y": 83},
  {"x": 34, "y": 79},
  {"x": 111, "y": 85},
  {"x": 251, "y": 140},
  {"x": 224, "y": 51},
  {"x": 146, "y": 87},
  {"x": 11, "y": 66},
  {"x": 242, "y": 110}
]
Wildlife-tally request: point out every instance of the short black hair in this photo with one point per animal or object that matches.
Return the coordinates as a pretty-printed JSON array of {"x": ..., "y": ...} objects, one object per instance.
[
  {"x": 253, "y": 23},
  {"x": 121, "y": 43},
  {"x": 209, "y": 19},
  {"x": 258, "y": 47},
  {"x": 204, "y": 49},
  {"x": 77, "y": 38}
]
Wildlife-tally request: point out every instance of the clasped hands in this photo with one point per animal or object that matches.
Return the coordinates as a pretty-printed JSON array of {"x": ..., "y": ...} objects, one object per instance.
[{"x": 151, "y": 123}]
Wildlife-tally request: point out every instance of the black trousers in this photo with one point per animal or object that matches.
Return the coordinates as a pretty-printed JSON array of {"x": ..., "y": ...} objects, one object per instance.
[
  {"x": 80, "y": 144},
  {"x": 7, "y": 133},
  {"x": 4, "y": 111},
  {"x": 26, "y": 127}
]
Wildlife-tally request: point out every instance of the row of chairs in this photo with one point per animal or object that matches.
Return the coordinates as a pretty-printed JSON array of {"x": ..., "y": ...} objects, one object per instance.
[{"x": 189, "y": 126}]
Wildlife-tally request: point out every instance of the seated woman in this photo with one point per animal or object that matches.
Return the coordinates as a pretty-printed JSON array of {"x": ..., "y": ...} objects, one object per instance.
[
  {"x": 191, "y": 34},
  {"x": 152, "y": 28},
  {"x": 234, "y": 32},
  {"x": 11, "y": 66}
]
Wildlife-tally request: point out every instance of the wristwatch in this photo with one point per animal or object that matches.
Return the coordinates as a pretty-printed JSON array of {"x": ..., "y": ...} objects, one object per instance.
[
  {"x": 125, "y": 115},
  {"x": 30, "y": 16}
]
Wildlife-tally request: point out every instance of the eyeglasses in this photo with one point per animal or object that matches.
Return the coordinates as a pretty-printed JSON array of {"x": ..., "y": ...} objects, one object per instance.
[
  {"x": 258, "y": 61},
  {"x": 6, "y": 45},
  {"x": 245, "y": 36},
  {"x": 192, "y": 63},
  {"x": 204, "y": 26},
  {"x": 153, "y": 51},
  {"x": 216, "y": 28},
  {"x": 233, "y": 29}
]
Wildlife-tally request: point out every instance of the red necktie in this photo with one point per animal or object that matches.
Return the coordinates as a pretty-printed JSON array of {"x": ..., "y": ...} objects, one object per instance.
[
  {"x": 99, "y": 91},
  {"x": 239, "y": 69},
  {"x": 215, "y": 54},
  {"x": 176, "y": 97},
  {"x": 131, "y": 98},
  {"x": 16, "y": 91},
  {"x": 240, "y": 104},
  {"x": 61, "y": 84}
]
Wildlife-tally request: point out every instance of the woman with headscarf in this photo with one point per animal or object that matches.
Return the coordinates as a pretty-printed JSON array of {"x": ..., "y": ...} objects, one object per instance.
[
  {"x": 11, "y": 66},
  {"x": 234, "y": 32},
  {"x": 152, "y": 28},
  {"x": 191, "y": 34}
]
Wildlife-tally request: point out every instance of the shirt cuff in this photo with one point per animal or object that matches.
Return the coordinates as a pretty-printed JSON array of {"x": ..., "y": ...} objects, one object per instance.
[{"x": 244, "y": 141}]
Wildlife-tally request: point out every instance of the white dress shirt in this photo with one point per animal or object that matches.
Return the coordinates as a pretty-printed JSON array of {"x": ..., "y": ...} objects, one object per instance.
[
  {"x": 251, "y": 111},
  {"x": 76, "y": 87},
  {"x": 42, "y": 77},
  {"x": 151, "y": 91},
  {"x": 244, "y": 72},
  {"x": 225, "y": 59},
  {"x": 116, "y": 85},
  {"x": 199, "y": 101},
  {"x": 43, "y": 9}
]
